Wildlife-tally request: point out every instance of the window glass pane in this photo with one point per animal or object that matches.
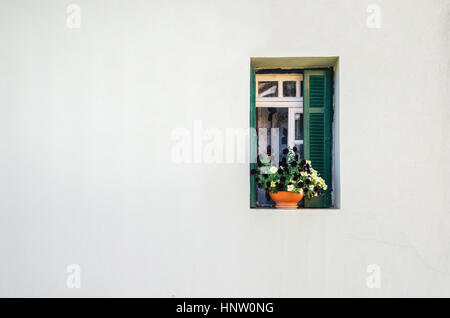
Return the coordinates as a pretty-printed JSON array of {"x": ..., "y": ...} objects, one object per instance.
[
  {"x": 298, "y": 126},
  {"x": 276, "y": 123},
  {"x": 268, "y": 89},
  {"x": 289, "y": 89},
  {"x": 299, "y": 151}
]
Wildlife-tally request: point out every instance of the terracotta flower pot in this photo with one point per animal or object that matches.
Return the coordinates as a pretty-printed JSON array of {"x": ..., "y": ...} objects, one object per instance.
[{"x": 286, "y": 200}]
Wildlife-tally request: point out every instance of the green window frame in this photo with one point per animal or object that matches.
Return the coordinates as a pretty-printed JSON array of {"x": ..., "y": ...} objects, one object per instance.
[{"x": 253, "y": 137}]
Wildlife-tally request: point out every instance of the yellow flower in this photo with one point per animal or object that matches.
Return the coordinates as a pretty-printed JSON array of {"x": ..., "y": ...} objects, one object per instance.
[
  {"x": 273, "y": 184},
  {"x": 325, "y": 187}
]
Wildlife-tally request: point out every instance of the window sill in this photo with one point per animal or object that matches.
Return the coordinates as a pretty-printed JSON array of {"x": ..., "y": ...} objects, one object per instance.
[{"x": 266, "y": 209}]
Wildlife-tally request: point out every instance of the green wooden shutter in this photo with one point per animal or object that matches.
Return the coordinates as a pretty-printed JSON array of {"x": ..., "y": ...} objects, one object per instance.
[
  {"x": 317, "y": 129},
  {"x": 252, "y": 134}
]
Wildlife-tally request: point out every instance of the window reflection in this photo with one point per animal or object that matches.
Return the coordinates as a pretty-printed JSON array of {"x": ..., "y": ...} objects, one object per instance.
[
  {"x": 289, "y": 88},
  {"x": 268, "y": 89},
  {"x": 298, "y": 126}
]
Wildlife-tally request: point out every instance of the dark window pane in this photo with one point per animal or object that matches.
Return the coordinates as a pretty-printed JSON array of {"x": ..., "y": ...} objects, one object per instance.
[
  {"x": 289, "y": 89},
  {"x": 301, "y": 88},
  {"x": 298, "y": 126},
  {"x": 300, "y": 150},
  {"x": 268, "y": 89}
]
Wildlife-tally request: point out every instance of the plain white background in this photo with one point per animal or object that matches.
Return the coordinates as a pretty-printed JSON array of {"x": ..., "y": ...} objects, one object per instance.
[{"x": 86, "y": 171}]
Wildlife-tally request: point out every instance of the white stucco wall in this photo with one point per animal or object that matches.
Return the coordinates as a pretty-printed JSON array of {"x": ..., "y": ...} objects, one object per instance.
[{"x": 86, "y": 171}]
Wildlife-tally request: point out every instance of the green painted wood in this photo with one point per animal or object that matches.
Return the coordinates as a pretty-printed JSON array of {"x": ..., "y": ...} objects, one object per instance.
[
  {"x": 253, "y": 138},
  {"x": 317, "y": 114}
]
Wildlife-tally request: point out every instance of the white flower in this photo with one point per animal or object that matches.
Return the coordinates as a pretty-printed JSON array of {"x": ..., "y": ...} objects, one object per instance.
[
  {"x": 308, "y": 162},
  {"x": 311, "y": 187},
  {"x": 325, "y": 187},
  {"x": 273, "y": 169},
  {"x": 303, "y": 174},
  {"x": 273, "y": 184},
  {"x": 290, "y": 187},
  {"x": 301, "y": 191}
]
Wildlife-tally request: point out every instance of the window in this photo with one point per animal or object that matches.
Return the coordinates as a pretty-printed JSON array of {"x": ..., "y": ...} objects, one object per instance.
[
  {"x": 289, "y": 89},
  {"x": 294, "y": 109},
  {"x": 284, "y": 88},
  {"x": 267, "y": 89},
  {"x": 278, "y": 117},
  {"x": 296, "y": 129},
  {"x": 278, "y": 108}
]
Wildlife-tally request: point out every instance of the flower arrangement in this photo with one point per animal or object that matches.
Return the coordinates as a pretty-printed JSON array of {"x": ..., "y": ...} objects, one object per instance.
[{"x": 293, "y": 174}]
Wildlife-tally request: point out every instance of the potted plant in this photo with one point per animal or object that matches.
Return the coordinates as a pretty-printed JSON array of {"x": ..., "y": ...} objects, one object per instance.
[{"x": 289, "y": 181}]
